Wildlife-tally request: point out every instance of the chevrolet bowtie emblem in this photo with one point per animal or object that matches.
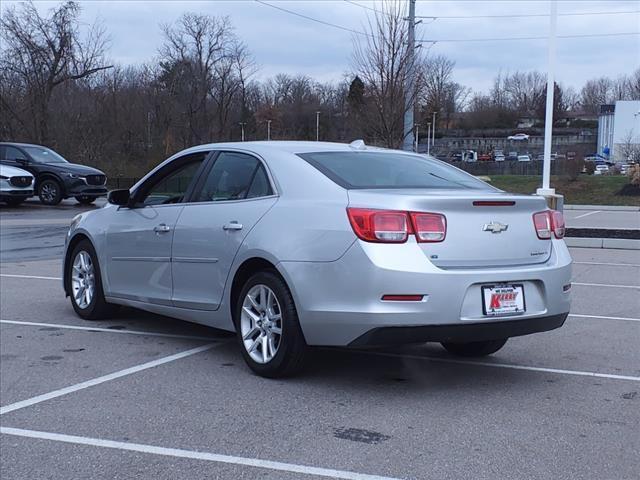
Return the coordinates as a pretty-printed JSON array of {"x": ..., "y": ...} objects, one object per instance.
[{"x": 494, "y": 227}]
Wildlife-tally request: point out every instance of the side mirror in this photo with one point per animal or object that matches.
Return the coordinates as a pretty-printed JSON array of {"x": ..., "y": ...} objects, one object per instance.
[
  {"x": 22, "y": 161},
  {"x": 119, "y": 197}
]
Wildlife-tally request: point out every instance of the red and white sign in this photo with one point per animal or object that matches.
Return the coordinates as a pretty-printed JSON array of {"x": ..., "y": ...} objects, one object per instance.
[{"x": 503, "y": 299}]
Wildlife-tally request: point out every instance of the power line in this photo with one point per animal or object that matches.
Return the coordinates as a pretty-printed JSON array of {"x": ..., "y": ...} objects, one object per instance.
[
  {"x": 586, "y": 35},
  {"x": 313, "y": 19}
]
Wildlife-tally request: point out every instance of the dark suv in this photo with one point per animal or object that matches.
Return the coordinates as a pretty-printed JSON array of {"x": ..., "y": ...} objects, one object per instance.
[{"x": 55, "y": 178}]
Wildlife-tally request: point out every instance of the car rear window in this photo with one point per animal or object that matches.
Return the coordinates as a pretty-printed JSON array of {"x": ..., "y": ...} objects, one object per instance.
[{"x": 366, "y": 170}]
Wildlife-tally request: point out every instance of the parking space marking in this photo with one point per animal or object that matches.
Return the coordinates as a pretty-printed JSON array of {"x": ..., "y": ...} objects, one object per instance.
[
  {"x": 578, "y": 373},
  {"x": 108, "y": 330},
  {"x": 628, "y": 319},
  {"x": 604, "y": 285},
  {"x": 35, "y": 277},
  {"x": 105, "y": 378},
  {"x": 194, "y": 455},
  {"x": 586, "y": 214},
  {"x": 608, "y": 264}
]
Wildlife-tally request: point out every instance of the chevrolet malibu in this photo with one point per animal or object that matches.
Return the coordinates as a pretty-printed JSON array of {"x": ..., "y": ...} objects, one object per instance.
[{"x": 295, "y": 244}]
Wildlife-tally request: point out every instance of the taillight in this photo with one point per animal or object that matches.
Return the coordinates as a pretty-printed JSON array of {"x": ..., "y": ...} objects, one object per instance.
[
  {"x": 547, "y": 222},
  {"x": 385, "y": 226},
  {"x": 391, "y": 226},
  {"x": 429, "y": 227}
]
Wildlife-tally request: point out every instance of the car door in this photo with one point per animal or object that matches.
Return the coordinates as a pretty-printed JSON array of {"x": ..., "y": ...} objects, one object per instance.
[
  {"x": 139, "y": 237},
  {"x": 232, "y": 196}
]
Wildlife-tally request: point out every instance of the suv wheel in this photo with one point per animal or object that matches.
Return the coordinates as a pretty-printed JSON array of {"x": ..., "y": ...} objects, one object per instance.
[
  {"x": 84, "y": 284},
  {"x": 475, "y": 349},
  {"x": 50, "y": 192},
  {"x": 267, "y": 327}
]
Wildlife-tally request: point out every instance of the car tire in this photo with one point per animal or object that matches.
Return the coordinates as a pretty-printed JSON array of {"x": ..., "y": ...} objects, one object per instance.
[
  {"x": 83, "y": 273},
  {"x": 264, "y": 307},
  {"x": 14, "y": 202},
  {"x": 474, "y": 349},
  {"x": 50, "y": 192},
  {"x": 85, "y": 199}
]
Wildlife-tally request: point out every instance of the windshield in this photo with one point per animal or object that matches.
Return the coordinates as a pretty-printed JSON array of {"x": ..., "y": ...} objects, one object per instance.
[
  {"x": 44, "y": 155},
  {"x": 359, "y": 170}
]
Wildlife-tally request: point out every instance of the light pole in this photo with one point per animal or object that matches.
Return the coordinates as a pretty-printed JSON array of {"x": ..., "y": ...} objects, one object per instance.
[
  {"x": 409, "y": 87},
  {"x": 268, "y": 129},
  {"x": 242, "y": 124},
  {"x": 428, "y": 137},
  {"x": 317, "y": 126},
  {"x": 415, "y": 149},
  {"x": 433, "y": 130}
]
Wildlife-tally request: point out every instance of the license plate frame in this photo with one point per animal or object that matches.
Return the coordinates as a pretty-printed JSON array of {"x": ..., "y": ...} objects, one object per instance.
[{"x": 513, "y": 306}]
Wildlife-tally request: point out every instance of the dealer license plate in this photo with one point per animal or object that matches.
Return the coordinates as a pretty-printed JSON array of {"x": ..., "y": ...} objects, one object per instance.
[{"x": 504, "y": 299}]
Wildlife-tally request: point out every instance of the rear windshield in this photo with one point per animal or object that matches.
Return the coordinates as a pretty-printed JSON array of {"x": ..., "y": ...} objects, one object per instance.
[{"x": 359, "y": 170}]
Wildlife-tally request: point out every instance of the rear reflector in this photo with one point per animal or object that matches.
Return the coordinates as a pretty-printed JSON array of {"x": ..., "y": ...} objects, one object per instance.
[
  {"x": 429, "y": 227},
  {"x": 402, "y": 298},
  {"x": 494, "y": 203},
  {"x": 547, "y": 222}
]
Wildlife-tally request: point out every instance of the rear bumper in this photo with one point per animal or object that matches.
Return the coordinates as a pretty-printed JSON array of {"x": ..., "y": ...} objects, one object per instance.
[
  {"x": 339, "y": 303},
  {"x": 471, "y": 332}
]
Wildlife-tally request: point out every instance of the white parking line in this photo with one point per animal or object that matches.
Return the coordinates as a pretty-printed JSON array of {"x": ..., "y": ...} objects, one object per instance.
[
  {"x": 608, "y": 264},
  {"x": 604, "y": 285},
  {"x": 36, "y": 277},
  {"x": 578, "y": 373},
  {"x": 586, "y": 214},
  {"x": 108, "y": 330},
  {"x": 600, "y": 317},
  {"x": 206, "y": 456},
  {"x": 105, "y": 378}
]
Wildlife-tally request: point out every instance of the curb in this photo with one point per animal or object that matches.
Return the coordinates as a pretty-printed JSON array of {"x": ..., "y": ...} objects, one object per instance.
[
  {"x": 613, "y": 243},
  {"x": 622, "y": 208}
]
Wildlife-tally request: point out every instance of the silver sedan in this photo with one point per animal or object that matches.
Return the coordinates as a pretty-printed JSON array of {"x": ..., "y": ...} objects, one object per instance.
[{"x": 293, "y": 244}]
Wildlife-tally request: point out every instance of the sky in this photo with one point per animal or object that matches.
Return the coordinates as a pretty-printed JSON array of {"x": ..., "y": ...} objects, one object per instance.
[{"x": 285, "y": 43}]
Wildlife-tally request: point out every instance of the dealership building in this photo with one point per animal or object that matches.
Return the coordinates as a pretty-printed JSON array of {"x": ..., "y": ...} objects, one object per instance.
[{"x": 619, "y": 129}]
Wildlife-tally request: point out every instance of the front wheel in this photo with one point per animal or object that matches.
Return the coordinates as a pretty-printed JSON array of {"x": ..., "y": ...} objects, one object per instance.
[
  {"x": 85, "y": 199},
  {"x": 50, "y": 192},
  {"x": 267, "y": 327},
  {"x": 84, "y": 284},
  {"x": 474, "y": 349}
]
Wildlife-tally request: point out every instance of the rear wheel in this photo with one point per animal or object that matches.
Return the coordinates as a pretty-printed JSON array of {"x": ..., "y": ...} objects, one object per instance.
[
  {"x": 475, "y": 349},
  {"x": 50, "y": 192},
  {"x": 267, "y": 327},
  {"x": 84, "y": 284},
  {"x": 85, "y": 199}
]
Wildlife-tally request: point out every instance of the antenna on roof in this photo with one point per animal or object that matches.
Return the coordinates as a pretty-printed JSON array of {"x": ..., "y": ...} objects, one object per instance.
[{"x": 358, "y": 145}]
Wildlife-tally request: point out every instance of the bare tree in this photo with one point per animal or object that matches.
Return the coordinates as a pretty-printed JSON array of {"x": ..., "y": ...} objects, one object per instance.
[
  {"x": 381, "y": 61},
  {"x": 524, "y": 91},
  {"x": 41, "y": 53}
]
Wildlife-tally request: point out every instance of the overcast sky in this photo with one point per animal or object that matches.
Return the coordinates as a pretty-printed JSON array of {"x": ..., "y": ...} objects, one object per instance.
[{"x": 282, "y": 42}]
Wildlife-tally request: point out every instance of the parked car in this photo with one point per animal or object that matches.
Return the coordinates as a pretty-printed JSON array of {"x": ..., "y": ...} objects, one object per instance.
[
  {"x": 518, "y": 137},
  {"x": 499, "y": 158},
  {"x": 601, "y": 169},
  {"x": 524, "y": 158},
  {"x": 294, "y": 244},
  {"x": 55, "y": 178},
  {"x": 16, "y": 185},
  {"x": 624, "y": 168},
  {"x": 484, "y": 157},
  {"x": 512, "y": 158}
]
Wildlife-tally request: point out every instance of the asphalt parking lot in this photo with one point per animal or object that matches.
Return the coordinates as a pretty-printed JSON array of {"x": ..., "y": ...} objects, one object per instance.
[{"x": 142, "y": 396}]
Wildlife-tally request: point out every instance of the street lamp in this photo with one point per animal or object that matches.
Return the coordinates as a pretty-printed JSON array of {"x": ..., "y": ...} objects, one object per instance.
[
  {"x": 433, "y": 130},
  {"x": 317, "y": 126},
  {"x": 415, "y": 148},
  {"x": 428, "y": 138},
  {"x": 268, "y": 129},
  {"x": 242, "y": 124}
]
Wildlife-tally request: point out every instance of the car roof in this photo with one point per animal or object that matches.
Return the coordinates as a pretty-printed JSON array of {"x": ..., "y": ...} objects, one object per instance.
[
  {"x": 18, "y": 144},
  {"x": 288, "y": 146}
]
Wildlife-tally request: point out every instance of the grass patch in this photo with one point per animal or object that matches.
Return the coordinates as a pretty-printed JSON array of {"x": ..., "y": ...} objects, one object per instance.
[{"x": 586, "y": 190}]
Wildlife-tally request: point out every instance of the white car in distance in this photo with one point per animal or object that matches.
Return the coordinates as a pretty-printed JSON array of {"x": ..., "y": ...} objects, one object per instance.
[
  {"x": 518, "y": 137},
  {"x": 524, "y": 158}
]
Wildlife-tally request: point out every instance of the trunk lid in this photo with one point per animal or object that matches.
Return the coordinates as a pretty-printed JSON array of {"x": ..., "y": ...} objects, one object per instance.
[{"x": 477, "y": 236}]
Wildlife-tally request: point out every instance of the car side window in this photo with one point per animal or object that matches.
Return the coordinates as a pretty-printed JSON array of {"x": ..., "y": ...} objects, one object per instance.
[
  {"x": 174, "y": 184},
  {"x": 12, "y": 153},
  {"x": 234, "y": 176}
]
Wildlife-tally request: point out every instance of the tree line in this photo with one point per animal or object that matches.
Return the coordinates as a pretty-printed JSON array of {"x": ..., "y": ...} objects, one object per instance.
[{"x": 58, "y": 88}]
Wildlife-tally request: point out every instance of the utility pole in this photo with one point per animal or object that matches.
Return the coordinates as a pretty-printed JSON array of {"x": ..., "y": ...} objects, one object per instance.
[
  {"x": 317, "y": 126},
  {"x": 417, "y": 137},
  {"x": 548, "y": 119},
  {"x": 428, "y": 137},
  {"x": 268, "y": 129},
  {"x": 409, "y": 88},
  {"x": 242, "y": 124}
]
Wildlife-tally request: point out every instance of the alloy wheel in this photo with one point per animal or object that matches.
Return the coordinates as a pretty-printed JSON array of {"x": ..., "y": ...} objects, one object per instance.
[
  {"x": 83, "y": 283},
  {"x": 261, "y": 323},
  {"x": 49, "y": 192}
]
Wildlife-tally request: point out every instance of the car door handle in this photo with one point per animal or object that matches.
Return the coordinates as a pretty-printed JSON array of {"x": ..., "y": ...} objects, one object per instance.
[
  {"x": 232, "y": 226},
  {"x": 162, "y": 228}
]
